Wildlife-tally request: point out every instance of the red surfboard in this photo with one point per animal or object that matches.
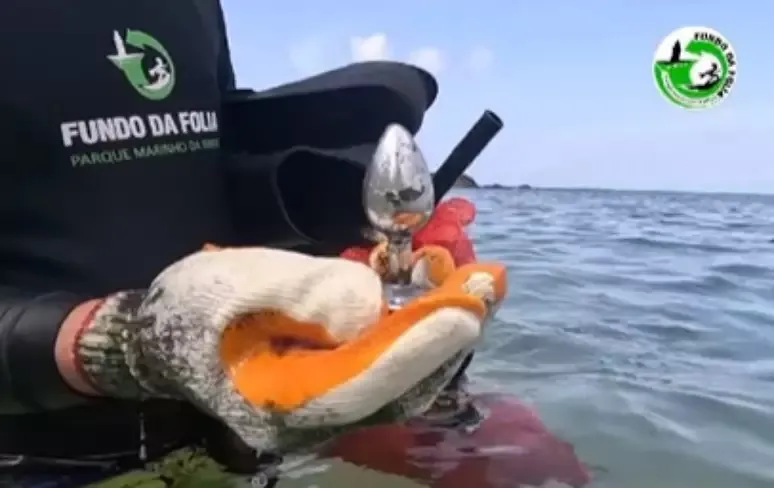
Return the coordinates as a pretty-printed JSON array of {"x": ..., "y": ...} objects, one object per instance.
[{"x": 509, "y": 447}]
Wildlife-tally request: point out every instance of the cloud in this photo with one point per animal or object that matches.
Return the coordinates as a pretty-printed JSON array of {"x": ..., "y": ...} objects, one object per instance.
[
  {"x": 372, "y": 48},
  {"x": 377, "y": 47},
  {"x": 311, "y": 56},
  {"x": 429, "y": 58},
  {"x": 480, "y": 60}
]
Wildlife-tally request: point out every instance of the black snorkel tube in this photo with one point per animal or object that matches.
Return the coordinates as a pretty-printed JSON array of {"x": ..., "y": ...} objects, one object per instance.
[{"x": 465, "y": 152}]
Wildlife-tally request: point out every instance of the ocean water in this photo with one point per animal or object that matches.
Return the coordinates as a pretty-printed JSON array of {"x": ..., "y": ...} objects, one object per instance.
[{"x": 639, "y": 325}]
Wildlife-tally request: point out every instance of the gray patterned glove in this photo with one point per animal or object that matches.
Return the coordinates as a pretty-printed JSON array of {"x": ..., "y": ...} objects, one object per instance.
[
  {"x": 286, "y": 349},
  {"x": 111, "y": 353}
]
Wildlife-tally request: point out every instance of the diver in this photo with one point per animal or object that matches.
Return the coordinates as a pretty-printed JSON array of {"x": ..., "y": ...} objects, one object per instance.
[
  {"x": 160, "y": 71},
  {"x": 711, "y": 76},
  {"x": 107, "y": 194}
]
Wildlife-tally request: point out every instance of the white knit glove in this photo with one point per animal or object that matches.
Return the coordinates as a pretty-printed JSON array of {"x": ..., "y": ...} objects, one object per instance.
[{"x": 288, "y": 350}]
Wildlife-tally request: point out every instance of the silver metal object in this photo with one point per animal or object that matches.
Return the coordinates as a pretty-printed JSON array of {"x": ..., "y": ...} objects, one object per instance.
[{"x": 399, "y": 199}]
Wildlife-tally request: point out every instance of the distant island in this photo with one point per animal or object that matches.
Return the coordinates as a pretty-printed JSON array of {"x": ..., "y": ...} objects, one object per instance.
[{"x": 468, "y": 182}]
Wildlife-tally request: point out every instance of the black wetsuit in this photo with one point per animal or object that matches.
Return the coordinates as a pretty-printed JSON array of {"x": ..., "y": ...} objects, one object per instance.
[
  {"x": 106, "y": 177},
  {"x": 112, "y": 167}
]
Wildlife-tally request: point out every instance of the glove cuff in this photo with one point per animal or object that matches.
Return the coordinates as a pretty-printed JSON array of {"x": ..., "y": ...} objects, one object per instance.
[{"x": 109, "y": 350}]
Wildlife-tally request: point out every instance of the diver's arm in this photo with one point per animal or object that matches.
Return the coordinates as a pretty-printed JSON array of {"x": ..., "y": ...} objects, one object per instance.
[{"x": 31, "y": 376}]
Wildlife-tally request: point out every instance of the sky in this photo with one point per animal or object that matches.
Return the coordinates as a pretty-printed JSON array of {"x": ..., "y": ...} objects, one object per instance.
[{"x": 571, "y": 79}]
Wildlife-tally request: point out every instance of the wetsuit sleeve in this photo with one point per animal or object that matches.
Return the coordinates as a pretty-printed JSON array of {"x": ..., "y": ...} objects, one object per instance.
[{"x": 29, "y": 377}]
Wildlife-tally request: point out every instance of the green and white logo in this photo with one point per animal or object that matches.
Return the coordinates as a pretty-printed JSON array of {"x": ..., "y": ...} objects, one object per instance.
[
  {"x": 154, "y": 80},
  {"x": 695, "y": 67}
]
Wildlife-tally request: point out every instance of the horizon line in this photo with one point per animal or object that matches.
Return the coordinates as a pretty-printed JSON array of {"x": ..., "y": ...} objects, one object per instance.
[{"x": 483, "y": 186}]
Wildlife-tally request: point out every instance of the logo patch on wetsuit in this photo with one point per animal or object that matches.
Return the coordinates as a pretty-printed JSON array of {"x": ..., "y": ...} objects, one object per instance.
[
  {"x": 148, "y": 68},
  {"x": 155, "y": 83}
]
